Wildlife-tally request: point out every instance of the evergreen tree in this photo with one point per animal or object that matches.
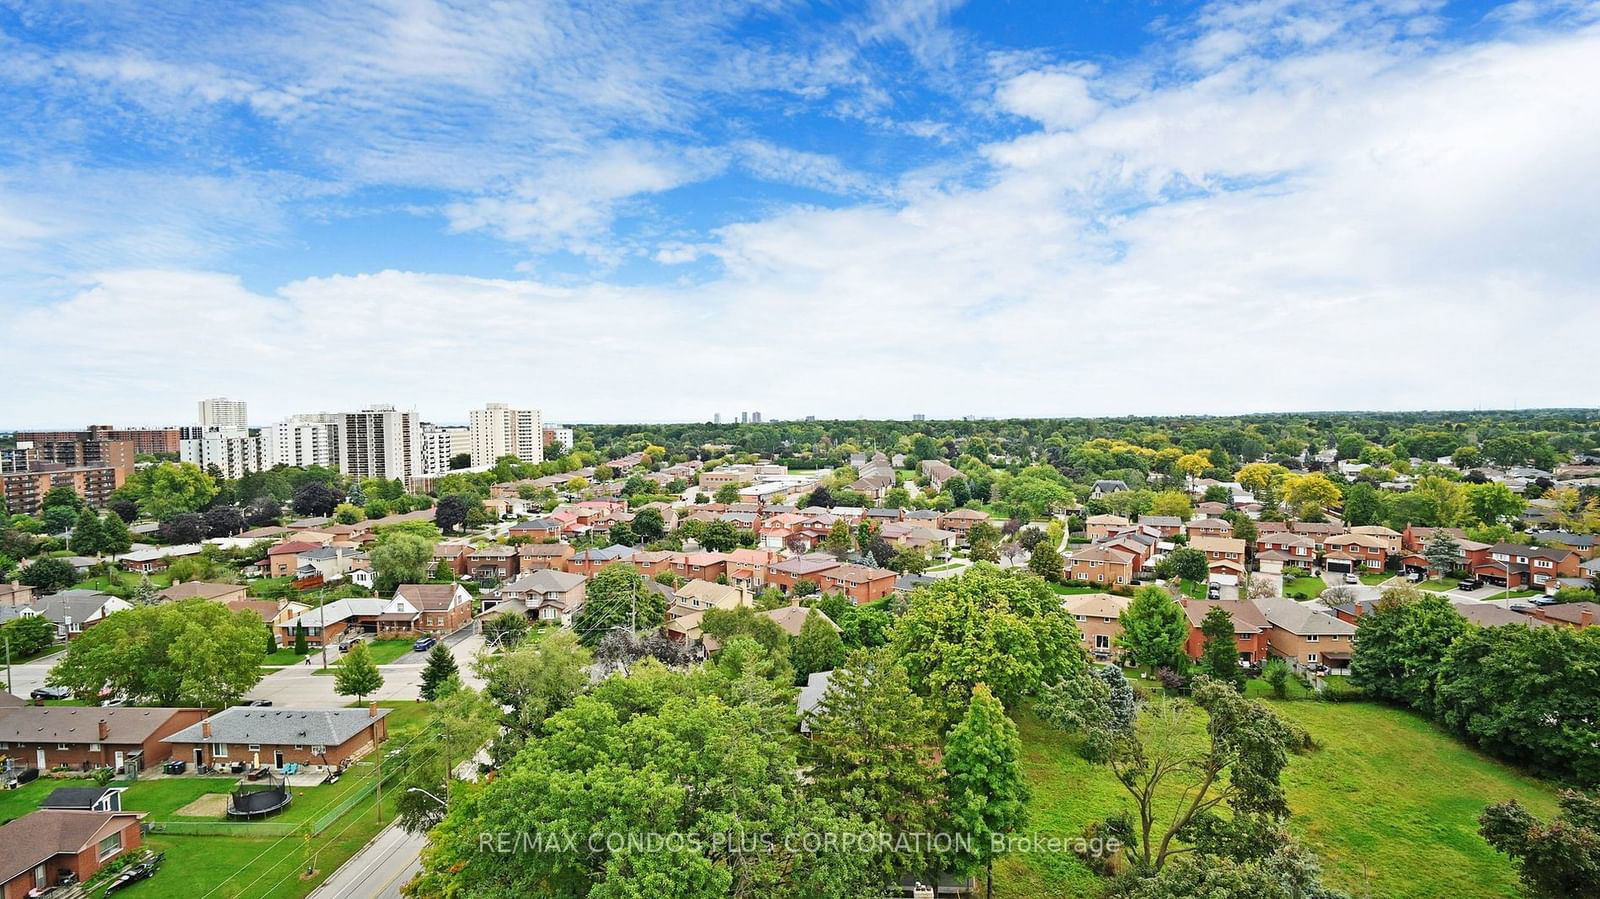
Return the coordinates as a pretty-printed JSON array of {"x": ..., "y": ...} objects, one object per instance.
[
  {"x": 146, "y": 592},
  {"x": 114, "y": 535},
  {"x": 1154, "y": 628},
  {"x": 356, "y": 674},
  {"x": 818, "y": 647},
  {"x": 988, "y": 793},
  {"x": 1442, "y": 552},
  {"x": 272, "y": 642},
  {"x": 441, "y": 667},
  {"x": 300, "y": 647},
  {"x": 1220, "y": 658},
  {"x": 874, "y": 739},
  {"x": 86, "y": 534}
]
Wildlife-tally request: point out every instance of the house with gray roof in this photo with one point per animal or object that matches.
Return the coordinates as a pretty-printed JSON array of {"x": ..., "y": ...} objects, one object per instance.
[
  {"x": 276, "y": 737},
  {"x": 73, "y": 610}
]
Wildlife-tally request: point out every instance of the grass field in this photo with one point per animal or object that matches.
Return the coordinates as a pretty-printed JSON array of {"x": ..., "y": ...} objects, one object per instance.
[
  {"x": 124, "y": 582},
  {"x": 1373, "y": 580},
  {"x": 1065, "y": 590},
  {"x": 1304, "y": 587},
  {"x": 1390, "y": 804}
]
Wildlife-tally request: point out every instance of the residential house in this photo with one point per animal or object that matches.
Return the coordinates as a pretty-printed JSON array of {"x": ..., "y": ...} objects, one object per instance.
[
  {"x": 1354, "y": 552},
  {"x": 272, "y": 612},
  {"x": 937, "y": 471},
  {"x": 650, "y": 563},
  {"x": 283, "y": 558},
  {"x": 434, "y": 608},
  {"x": 1210, "y": 510},
  {"x": 699, "y": 596},
  {"x": 1099, "y": 620},
  {"x": 1306, "y": 637},
  {"x": 492, "y": 563},
  {"x": 536, "y": 530},
  {"x": 961, "y": 520},
  {"x": 1299, "y": 549},
  {"x": 1165, "y": 525},
  {"x": 50, "y": 847},
  {"x": 1100, "y": 564},
  {"x": 1224, "y": 555},
  {"x": 1393, "y": 541},
  {"x": 1249, "y": 628},
  {"x": 810, "y": 567},
  {"x": 790, "y": 618},
  {"x": 73, "y": 610},
  {"x": 547, "y": 556},
  {"x": 1104, "y": 488},
  {"x": 542, "y": 595},
  {"x": 331, "y": 621},
  {"x": 1099, "y": 527},
  {"x": 700, "y": 566},
  {"x": 1415, "y": 538},
  {"x": 15, "y": 594},
  {"x": 277, "y": 737},
  {"x": 153, "y": 559},
  {"x": 858, "y": 582},
  {"x": 1570, "y": 614},
  {"x": 589, "y": 562},
  {"x": 1208, "y": 527},
  {"x": 1518, "y": 567},
  {"x": 747, "y": 567},
  {"x": 48, "y": 737},
  {"x": 454, "y": 556},
  {"x": 223, "y": 593}
]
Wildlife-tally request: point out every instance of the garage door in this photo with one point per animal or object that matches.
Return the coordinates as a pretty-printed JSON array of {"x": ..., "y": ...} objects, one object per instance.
[{"x": 1340, "y": 565}]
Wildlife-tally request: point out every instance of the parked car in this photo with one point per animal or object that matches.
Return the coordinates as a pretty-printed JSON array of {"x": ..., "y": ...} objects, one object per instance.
[
  {"x": 51, "y": 693},
  {"x": 1469, "y": 585},
  {"x": 256, "y": 703},
  {"x": 1350, "y": 577},
  {"x": 423, "y": 644},
  {"x": 1214, "y": 591},
  {"x": 112, "y": 703},
  {"x": 1414, "y": 577}
]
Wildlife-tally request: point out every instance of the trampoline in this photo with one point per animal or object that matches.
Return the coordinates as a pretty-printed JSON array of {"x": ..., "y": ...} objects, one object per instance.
[{"x": 259, "y": 800}]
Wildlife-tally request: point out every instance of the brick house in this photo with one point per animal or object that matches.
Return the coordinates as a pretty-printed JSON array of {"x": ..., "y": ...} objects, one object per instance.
[
  {"x": 961, "y": 520},
  {"x": 1250, "y": 628},
  {"x": 492, "y": 563},
  {"x": 1300, "y": 548},
  {"x": 276, "y": 737},
  {"x": 589, "y": 562},
  {"x": 1569, "y": 614},
  {"x": 1208, "y": 527},
  {"x": 1352, "y": 552},
  {"x": 46, "y": 737},
  {"x": 1305, "y": 637},
  {"x": 1393, "y": 541},
  {"x": 785, "y": 574},
  {"x": 1099, "y": 618},
  {"x": 283, "y": 559},
  {"x": 1222, "y": 553},
  {"x": 223, "y": 593},
  {"x": 454, "y": 556},
  {"x": 44, "y": 846},
  {"x": 1099, "y": 527},
  {"x": 543, "y": 556},
  {"x": 1164, "y": 525},
  {"x": 1517, "y": 567},
  {"x": 541, "y": 595},
  {"x": 1103, "y": 565},
  {"x": 860, "y": 583},
  {"x": 436, "y": 608},
  {"x": 537, "y": 529}
]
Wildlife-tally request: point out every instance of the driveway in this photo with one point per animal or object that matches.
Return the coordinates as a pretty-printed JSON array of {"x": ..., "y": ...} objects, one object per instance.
[{"x": 299, "y": 686}]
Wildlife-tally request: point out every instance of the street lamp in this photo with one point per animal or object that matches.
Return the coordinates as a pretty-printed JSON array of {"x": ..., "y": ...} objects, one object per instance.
[{"x": 427, "y": 794}]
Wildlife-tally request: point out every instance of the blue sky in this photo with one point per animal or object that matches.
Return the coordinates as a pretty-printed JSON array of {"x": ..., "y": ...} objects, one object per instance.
[{"x": 660, "y": 210}]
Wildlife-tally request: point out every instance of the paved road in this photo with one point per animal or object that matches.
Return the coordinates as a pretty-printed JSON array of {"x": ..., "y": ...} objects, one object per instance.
[
  {"x": 299, "y": 686},
  {"x": 379, "y": 870},
  {"x": 30, "y": 676}
]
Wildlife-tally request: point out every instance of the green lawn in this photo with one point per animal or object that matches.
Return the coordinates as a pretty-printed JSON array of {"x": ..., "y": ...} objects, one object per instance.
[
  {"x": 1438, "y": 585},
  {"x": 1066, "y": 590},
  {"x": 124, "y": 582},
  {"x": 1373, "y": 580},
  {"x": 1390, "y": 804},
  {"x": 1304, "y": 587},
  {"x": 382, "y": 651}
]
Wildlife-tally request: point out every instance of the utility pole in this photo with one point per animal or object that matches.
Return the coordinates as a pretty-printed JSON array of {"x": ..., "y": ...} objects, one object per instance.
[
  {"x": 8, "y": 663},
  {"x": 322, "y": 633}
]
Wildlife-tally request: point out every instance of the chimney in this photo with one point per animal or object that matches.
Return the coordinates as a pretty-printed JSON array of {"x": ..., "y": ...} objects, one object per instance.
[
  {"x": 105, "y": 731},
  {"x": 205, "y": 729},
  {"x": 1585, "y": 616},
  {"x": 372, "y": 710}
]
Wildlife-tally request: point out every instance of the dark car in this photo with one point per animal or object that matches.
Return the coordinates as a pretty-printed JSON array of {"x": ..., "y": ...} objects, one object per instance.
[
  {"x": 51, "y": 693},
  {"x": 257, "y": 703},
  {"x": 1468, "y": 585},
  {"x": 424, "y": 644}
]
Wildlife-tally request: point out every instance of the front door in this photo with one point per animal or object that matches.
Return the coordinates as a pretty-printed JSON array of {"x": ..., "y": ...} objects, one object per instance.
[
  {"x": 277, "y": 758},
  {"x": 199, "y": 757},
  {"x": 38, "y": 759},
  {"x": 117, "y": 760}
]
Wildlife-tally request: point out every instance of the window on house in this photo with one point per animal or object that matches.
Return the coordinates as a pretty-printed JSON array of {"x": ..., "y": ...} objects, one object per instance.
[
  {"x": 110, "y": 846},
  {"x": 1101, "y": 641},
  {"x": 1311, "y": 657},
  {"x": 61, "y": 746},
  {"x": 255, "y": 747},
  {"x": 219, "y": 749},
  {"x": 1313, "y": 638}
]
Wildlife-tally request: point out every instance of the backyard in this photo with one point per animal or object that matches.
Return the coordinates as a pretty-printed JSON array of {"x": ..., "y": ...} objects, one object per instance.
[{"x": 1389, "y": 802}]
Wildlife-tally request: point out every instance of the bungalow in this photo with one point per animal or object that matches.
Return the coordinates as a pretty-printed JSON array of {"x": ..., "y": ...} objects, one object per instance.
[
  {"x": 260, "y": 736},
  {"x": 1099, "y": 617},
  {"x": 154, "y": 559},
  {"x": 333, "y": 620},
  {"x": 73, "y": 610},
  {"x": 858, "y": 582},
  {"x": 223, "y": 593},
  {"x": 273, "y": 612},
  {"x": 50, "y": 847},
  {"x": 1306, "y": 637},
  {"x": 541, "y": 595},
  {"x": 67, "y": 736},
  {"x": 1249, "y": 628},
  {"x": 433, "y": 608}
]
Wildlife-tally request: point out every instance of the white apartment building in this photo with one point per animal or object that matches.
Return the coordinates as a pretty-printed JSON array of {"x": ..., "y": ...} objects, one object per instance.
[
  {"x": 560, "y": 436},
  {"x": 440, "y": 444},
  {"x": 303, "y": 440},
  {"x": 380, "y": 442},
  {"x": 232, "y": 450},
  {"x": 221, "y": 412},
  {"x": 498, "y": 430}
]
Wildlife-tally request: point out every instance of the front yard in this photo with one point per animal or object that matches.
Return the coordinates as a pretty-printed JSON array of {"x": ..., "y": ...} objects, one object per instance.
[
  {"x": 1304, "y": 587},
  {"x": 383, "y": 652}
]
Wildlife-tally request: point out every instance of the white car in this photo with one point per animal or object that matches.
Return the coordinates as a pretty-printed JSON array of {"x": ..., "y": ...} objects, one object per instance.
[{"x": 1350, "y": 578}]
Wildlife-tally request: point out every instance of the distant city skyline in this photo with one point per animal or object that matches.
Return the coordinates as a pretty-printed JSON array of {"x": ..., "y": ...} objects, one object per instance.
[{"x": 1010, "y": 209}]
